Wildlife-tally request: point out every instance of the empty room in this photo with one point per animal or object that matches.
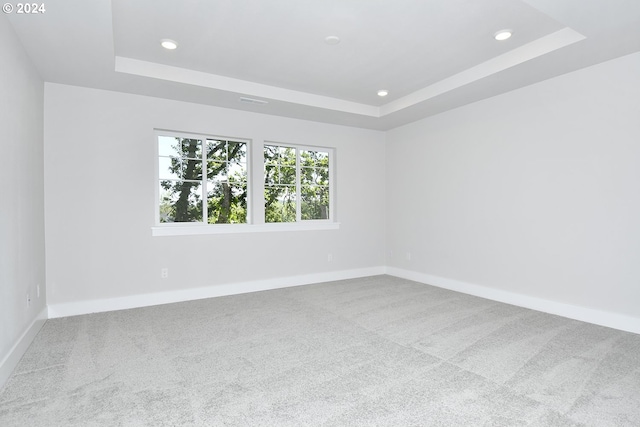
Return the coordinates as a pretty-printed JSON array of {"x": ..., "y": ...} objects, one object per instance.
[{"x": 320, "y": 213}]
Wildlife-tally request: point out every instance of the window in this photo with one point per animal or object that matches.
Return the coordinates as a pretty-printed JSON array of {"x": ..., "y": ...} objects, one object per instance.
[
  {"x": 296, "y": 183},
  {"x": 202, "y": 179},
  {"x": 211, "y": 184}
]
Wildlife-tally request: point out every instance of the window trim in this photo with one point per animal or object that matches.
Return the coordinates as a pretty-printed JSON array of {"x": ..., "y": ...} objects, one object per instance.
[{"x": 200, "y": 229}]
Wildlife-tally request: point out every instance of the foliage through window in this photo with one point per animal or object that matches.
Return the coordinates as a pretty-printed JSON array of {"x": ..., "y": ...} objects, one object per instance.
[
  {"x": 202, "y": 180},
  {"x": 296, "y": 183}
]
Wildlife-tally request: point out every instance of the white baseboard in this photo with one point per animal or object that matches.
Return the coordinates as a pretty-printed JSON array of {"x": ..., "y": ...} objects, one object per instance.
[
  {"x": 589, "y": 315},
  {"x": 11, "y": 360},
  {"x": 598, "y": 317},
  {"x": 134, "y": 301}
]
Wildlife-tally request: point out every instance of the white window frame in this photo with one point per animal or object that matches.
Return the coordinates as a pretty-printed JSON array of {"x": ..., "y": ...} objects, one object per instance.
[
  {"x": 203, "y": 137},
  {"x": 255, "y": 193},
  {"x": 332, "y": 201}
]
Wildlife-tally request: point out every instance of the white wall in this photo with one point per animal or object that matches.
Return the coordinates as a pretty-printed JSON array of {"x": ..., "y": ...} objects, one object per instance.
[
  {"x": 99, "y": 197},
  {"x": 535, "y": 192},
  {"x": 22, "y": 261}
]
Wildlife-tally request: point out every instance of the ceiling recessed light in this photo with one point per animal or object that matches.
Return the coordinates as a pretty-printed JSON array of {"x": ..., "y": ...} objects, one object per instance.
[
  {"x": 332, "y": 40},
  {"x": 383, "y": 92},
  {"x": 502, "y": 35},
  {"x": 168, "y": 44}
]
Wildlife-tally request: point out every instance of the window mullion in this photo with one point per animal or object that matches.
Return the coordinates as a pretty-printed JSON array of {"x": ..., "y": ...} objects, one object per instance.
[
  {"x": 298, "y": 189},
  {"x": 205, "y": 204}
]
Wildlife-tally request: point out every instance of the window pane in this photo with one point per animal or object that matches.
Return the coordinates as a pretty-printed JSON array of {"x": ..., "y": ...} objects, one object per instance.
[
  {"x": 237, "y": 151},
  {"x": 287, "y": 175},
  {"x": 271, "y": 174},
  {"x": 226, "y": 203},
  {"x": 287, "y": 156},
  {"x": 237, "y": 172},
  {"x": 321, "y": 176},
  {"x": 306, "y": 176},
  {"x": 191, "y": 148},
  {"x": 322, "y": 158},
  {"x": 191, "y": 169},
  {"x": 169, "y": 146},
  {"x": 314, "y": 176},
  {"x": 217, "y": 170},
  {"x": 280, "y": 204},
  {"x": 216, "y": 150},
  {"x": 169, "y": 168},
  {"x": 315, "y": 202},
  {"x": 270, "y": 154},
  {"x": 314, "y": 158},
  {"x": 180, "y": 201}
]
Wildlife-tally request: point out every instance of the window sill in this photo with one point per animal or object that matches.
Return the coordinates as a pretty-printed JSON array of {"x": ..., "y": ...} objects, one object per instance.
[{"x": 197, "y": 229}]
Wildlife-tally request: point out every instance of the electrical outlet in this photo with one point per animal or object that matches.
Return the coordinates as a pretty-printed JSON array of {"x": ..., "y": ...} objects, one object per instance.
[
  {"x": 330, "y": 257},
  {"x": 164, "y": 273}
]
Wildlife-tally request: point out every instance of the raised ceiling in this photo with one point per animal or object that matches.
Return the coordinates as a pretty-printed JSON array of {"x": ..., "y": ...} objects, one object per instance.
[{"x": 431, "y": 55}]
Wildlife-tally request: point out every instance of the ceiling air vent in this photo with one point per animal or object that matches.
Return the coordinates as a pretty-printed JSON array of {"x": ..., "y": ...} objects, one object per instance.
[{"x": 253, "y": 101}]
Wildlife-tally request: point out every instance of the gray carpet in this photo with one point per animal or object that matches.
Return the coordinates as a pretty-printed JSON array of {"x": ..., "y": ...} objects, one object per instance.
[{"x": 378, "y": 351}]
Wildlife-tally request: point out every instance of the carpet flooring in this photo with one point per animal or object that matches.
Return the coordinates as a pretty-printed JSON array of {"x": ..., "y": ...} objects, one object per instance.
[{"x": 377, "y": 351}]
